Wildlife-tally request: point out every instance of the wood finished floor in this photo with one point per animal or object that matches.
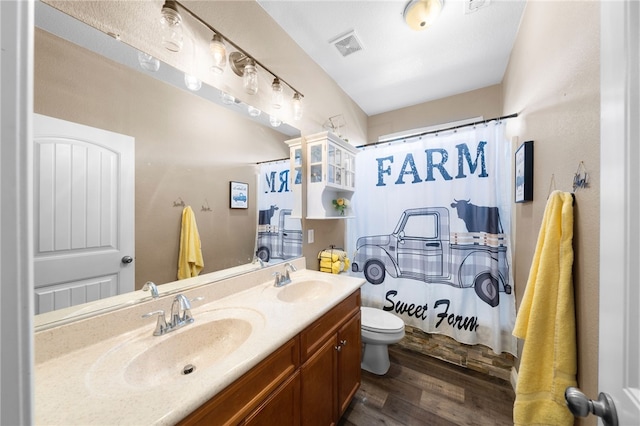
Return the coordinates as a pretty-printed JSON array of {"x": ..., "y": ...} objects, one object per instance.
[{"x": 420, "y": 390}]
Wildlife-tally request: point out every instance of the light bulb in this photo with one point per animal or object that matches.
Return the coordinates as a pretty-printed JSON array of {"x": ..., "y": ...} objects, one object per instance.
[
  {"x": 274, "y": 121},
  {"x": 298, "y": 108},
  {"x": 253, "y": 111},
  {"x": 227, "y": 99},
  {"x": 192, "y": 82},
  {"x": 250, "y": 78},
  {"x": 171, "y": 22},
  {"x": 276, "y": 94},
  {"x": 148, "y": 62},
  {"x": 218, "y": 53}
]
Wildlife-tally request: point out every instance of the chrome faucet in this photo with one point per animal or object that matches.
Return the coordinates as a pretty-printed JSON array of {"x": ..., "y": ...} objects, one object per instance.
[
  {"x": 283, "y": 279},
  {"x": 150, "y": 286},
  {"x": 288, "y": 267},
  {"x": 180, "y": 311},
  {"x": 180, "y": 315},
  {"x": 260, "y": 261}
]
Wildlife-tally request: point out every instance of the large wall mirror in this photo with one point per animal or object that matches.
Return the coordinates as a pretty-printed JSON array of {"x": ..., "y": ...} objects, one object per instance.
[{"x": 189, "y": 147}]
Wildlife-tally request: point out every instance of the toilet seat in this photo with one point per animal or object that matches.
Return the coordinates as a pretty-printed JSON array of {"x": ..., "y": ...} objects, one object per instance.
[{"x": 379, "y": 321}]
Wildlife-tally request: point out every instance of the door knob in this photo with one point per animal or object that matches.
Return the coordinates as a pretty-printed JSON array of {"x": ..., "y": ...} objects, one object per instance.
[
  {"x": 127, "y": 259},
  {"x": 581, "y": 406}
]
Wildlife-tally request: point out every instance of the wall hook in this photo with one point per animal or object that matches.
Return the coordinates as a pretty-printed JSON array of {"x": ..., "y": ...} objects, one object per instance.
[
  {"x": 205, "y": 207},
  {"x": 581, "y": 177},
  {"x": 178, "y": 202},
  {"x": 552, "y": 185}
]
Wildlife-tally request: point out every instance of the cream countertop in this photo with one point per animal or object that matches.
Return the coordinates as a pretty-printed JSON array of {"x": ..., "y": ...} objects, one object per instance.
[{"x": 79, "y": 381}]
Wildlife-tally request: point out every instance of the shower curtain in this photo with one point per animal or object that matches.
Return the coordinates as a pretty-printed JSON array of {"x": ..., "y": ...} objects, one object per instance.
[
  {"x": 431, "y": 233},
  {"x": 279, "y": 235}
]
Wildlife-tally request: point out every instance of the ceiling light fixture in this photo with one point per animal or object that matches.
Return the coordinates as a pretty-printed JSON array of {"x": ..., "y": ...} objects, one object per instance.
[
  {"x": 240, "y": 61},
  {"x": 298, "y": 108},
  {"x": 274, "y": 121},
  {"x": 276, "y": 94},
  {"x": 193, "y": 83},
  {"x": 218, "y": 53},
  {"x": 171, "y": 22},
  {"x": 253, "y": 111},
  {"x": 421, "y": 14},
  {"x": 148, "y": 62}
]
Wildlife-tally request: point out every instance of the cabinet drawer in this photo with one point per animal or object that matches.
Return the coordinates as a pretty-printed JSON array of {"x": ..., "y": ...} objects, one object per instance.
[
  {"x": 236, "y": 401},
  {"x": 317, "y": 333}
]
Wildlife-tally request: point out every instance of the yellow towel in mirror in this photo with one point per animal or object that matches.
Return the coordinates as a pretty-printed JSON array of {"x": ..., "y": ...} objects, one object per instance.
[{"x": 190, "y": 261}]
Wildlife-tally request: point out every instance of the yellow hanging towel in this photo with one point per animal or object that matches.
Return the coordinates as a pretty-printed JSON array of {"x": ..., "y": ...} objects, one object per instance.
[
  {"x": 190, "y": 261},
  {"x": 546, "y": 322}
]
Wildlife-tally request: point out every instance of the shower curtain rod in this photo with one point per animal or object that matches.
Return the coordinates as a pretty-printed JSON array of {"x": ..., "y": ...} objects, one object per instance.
[
  {"x": 273, "y": 161},
  {"x": 417, "y": 135}
]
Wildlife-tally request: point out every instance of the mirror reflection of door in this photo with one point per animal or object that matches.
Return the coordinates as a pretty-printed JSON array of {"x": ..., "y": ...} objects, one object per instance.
[
  {"x": 84, "y": 213},
  {"x": 279, "y": 234}
]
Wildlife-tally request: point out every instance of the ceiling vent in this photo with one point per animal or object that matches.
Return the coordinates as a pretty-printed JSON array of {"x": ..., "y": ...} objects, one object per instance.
[
  {"x": 347, "y": 43},
  {"x": 471, "y": 6}
]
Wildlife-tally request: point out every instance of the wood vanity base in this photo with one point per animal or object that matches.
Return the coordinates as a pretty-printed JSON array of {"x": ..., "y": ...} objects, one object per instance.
[{"x": 310, "y": 380}]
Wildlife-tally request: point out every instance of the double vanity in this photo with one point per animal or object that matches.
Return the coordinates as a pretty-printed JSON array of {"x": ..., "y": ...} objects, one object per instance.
[{"x": 253, "y": 352}]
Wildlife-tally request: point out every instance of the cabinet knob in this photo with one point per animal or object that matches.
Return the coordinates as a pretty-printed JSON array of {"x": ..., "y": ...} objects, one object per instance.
[
  {"x": 338, "y": 348},
  {"x": 343, "y": 343}
]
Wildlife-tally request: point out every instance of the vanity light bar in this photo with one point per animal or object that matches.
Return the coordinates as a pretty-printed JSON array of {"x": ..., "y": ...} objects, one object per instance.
[{"x": 238, "y": 48}]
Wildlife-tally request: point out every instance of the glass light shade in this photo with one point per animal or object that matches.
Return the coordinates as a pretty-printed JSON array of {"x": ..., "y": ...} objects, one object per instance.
[
  {"x": 192, "y": 82},
  {"x": 250, "y": 79},
  {"x": 297, "y": 106},
  {"x": 218, "y": 53},
  {"x": 148, "y": 62},
  {"x": 276, "y": 94},
  {"x": 274, "y": 121},
  {"x": 421, "y": 14},
  {"x": 171, "y": 23},
  {"x": 253, "y": 111},
  {"x": 227, "y": 99}
]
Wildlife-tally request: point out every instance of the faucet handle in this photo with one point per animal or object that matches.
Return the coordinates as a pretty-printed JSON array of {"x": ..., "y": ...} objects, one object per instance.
[
  {"x": 161, "y": 324},
  {"x": 186, "y": 314}
]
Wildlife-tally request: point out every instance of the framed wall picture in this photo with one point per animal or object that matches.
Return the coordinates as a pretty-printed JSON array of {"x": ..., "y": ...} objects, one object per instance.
[
  {"x": 524, "y": 172},
  {"x": 239, "y": 195}
]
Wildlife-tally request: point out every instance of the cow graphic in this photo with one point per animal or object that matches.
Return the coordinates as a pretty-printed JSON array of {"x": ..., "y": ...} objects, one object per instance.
[
  {"x": 264, "y": 216},
  {"x": 478, "y": 218}
]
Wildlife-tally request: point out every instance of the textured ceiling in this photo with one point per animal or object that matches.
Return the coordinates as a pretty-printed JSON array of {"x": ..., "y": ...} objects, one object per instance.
[{"x": 398, "y": 67}]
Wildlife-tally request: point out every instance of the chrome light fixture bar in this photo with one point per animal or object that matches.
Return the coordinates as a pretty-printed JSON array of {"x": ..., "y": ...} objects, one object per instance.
[{"x": 237, "y": 60}]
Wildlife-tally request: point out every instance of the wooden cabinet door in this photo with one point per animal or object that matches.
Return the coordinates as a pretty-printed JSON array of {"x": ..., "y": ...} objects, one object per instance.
[
  {"x": 349, "y": 357},
  {"x": 282, "y": 408},
  {"x": 318, "y": 387}
]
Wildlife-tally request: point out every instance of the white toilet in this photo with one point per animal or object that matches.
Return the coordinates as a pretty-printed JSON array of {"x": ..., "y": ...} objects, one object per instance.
[{"x": 379, "y": 329}]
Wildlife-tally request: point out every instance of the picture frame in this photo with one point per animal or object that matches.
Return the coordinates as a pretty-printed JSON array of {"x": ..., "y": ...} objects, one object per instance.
[
  {"x": 524, "y": 172},
  {"x": 239, "y": 195}
]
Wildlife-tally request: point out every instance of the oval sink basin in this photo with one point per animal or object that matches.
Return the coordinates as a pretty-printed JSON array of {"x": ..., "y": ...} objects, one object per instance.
[
  {"x": 144, "y": 361},
  {"x": 304, "y": 290}
]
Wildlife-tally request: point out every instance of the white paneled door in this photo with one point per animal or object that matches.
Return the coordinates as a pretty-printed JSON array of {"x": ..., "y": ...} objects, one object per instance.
[
  {"x": 83, "y": 213},
  {"x": 619, "y": 345}
]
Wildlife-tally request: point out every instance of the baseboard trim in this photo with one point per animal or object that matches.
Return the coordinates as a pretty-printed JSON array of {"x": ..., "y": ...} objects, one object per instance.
[{"x": 514, "y": 378}]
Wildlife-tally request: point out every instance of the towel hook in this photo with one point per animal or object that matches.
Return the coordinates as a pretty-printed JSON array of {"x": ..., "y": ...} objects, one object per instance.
[
  {"x": 178, "y": 202},
  {"x": 552, "y": 185},
  {"x": 581, "y": 177},
  {"x": 205, "y": 207}
]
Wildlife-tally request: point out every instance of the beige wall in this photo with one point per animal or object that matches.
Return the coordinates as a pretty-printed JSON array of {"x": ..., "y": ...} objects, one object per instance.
[
  {"x": 186, "y": 148},
  {"x": 552, "y": 82},
  {"x": 485, "y": 102}
]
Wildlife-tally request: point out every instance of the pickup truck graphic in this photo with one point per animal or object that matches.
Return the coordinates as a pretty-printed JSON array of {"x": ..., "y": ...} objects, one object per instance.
[
  {"x": 422, "y": 248},
  {"x": 281, "y": 241}
]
